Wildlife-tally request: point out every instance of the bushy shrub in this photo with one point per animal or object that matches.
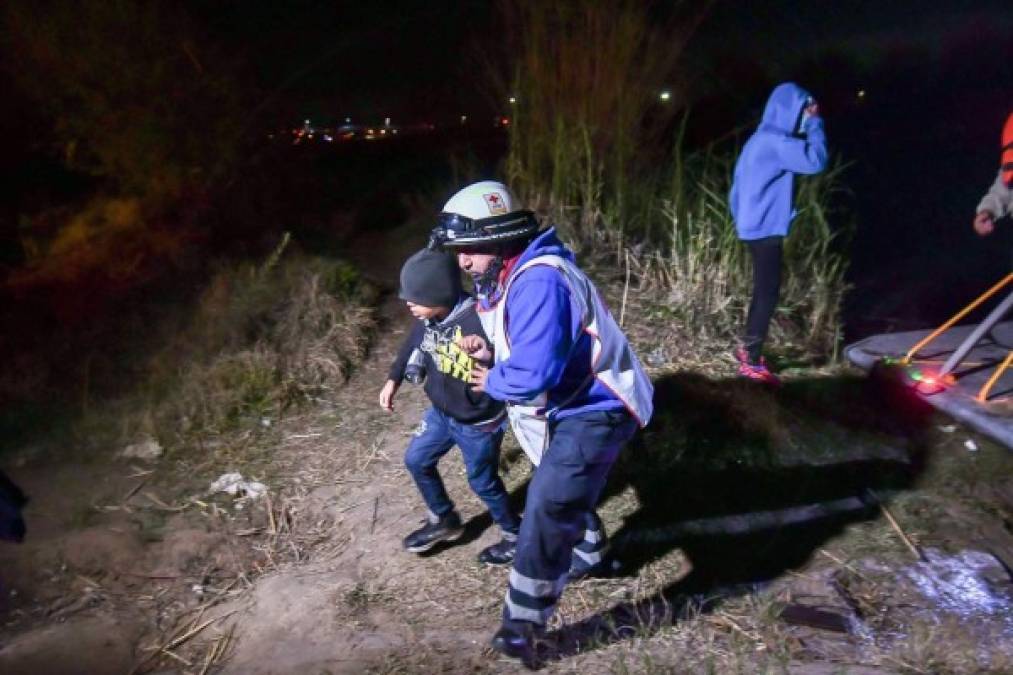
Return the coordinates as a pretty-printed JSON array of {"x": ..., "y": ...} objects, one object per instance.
[{"x": 263, "y": 338}]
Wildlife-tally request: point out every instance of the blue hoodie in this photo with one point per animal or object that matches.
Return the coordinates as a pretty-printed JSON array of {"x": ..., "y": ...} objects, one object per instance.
[
  {"x": 761, "y": 195},
  {"x": 549, "y": 350}
]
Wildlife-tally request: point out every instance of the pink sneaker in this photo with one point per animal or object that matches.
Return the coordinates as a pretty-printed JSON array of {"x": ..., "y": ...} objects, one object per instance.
[{"x": 759, "y": 373}]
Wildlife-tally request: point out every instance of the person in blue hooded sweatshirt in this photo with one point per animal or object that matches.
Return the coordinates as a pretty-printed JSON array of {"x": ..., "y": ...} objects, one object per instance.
[
  {"x": 575, "y": 393},
  {"x": 789, "y": 141}
]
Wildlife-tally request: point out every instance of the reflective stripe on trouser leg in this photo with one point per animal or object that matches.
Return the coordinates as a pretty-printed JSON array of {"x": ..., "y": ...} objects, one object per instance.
[
  {"x": 561, "y": 495},
  {"x": 530, "y": 599},
  {"x": 590, "y": 551}
]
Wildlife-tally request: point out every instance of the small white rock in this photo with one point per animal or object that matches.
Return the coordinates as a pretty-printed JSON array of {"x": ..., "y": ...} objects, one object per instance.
[
  {"x": 234, "y": 484},
  {"x": 971, "y": 445},
  {"x": 147, "y": 449},
  {"x": 948, "y": 428}
]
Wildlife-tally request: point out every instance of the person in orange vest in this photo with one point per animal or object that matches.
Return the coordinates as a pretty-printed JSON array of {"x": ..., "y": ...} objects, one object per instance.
[{"x": 998, "y": 201}]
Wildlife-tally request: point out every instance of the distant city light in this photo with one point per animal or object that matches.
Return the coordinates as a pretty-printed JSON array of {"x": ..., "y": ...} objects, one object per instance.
[
  {"x": 386, "y": 121},
  {"x": 665, "y": 95},
  {"x": 513, "y": 99},
  {"x": 348, "y": 120},
  {"x": 861, "y": 93},
  {"x": 306, "y": 122},
  {"x": 464, "y": 118}
]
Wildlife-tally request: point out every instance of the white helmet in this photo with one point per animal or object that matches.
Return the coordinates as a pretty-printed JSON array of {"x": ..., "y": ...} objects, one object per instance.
[{"x": 481, "y": 214}]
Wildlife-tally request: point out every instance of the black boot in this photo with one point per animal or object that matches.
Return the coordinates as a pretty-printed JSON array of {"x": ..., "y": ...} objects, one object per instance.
[
  {"x": 519, "y": 640},
  {"x": 445, "y": 528},
  {"x": 500, "y": 553}
]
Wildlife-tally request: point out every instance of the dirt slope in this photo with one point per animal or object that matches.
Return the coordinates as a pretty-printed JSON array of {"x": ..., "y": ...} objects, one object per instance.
[{"x": 132, "y": 567}]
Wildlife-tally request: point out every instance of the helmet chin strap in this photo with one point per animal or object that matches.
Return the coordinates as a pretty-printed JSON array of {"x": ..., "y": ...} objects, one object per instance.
[{"x": 487, "y": 283}]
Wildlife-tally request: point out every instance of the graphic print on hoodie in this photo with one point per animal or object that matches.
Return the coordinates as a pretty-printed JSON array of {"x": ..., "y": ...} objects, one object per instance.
[
  {"x": 761, "y": 194},
  {"x": 448, "y": 367}
]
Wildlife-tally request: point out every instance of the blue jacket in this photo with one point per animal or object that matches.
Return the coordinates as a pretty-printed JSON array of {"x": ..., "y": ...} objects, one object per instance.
[
  {"x": 549, "y": 351},
  {"x": 761, "y": 195}
]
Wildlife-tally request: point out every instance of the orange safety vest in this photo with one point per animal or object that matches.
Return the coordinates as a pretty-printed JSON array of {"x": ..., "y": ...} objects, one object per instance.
[{"x": 1007, "y": 151}]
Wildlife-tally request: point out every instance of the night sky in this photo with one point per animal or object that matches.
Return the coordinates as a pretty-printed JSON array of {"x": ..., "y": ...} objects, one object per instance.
[
  {"x": 425, "y": 58},
  {"x": 330, "y": 59}
]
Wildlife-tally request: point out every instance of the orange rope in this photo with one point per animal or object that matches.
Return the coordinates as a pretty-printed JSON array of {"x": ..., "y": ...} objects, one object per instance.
[
  {"x": 983, "y": 394},
  {"x": 957, "y": 317}
]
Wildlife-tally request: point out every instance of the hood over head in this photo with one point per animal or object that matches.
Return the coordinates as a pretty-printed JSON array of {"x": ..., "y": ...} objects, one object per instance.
[{"x": 784, "y": 108}]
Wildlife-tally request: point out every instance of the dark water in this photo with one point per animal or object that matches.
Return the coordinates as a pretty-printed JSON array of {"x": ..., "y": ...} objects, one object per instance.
[
  {"x": 923, "y": 140},
  {"x": 917, "y": 178},
  {"x": 925, "y": 146}
]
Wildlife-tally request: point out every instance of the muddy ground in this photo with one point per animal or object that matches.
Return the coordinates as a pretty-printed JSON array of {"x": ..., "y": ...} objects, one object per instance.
[{"x": 830, "y": 527}]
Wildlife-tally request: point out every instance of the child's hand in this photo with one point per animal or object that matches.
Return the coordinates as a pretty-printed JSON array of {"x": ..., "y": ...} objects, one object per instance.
[
  {"x": 476, "y": 347},
  {"x": 479, "y": 374},
  {"x": 387, "y": 395}
]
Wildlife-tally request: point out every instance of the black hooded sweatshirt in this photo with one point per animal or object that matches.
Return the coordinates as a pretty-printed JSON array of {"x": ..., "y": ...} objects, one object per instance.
[{"x": 447, "y": 366}]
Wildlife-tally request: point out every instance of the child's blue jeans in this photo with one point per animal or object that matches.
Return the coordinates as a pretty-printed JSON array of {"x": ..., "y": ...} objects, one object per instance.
[{"x": 436, "y": 435}]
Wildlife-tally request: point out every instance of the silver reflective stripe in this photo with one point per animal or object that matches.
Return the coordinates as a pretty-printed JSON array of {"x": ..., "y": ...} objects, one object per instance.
[
  {"x": 592, "y": 536},
  {"x": 589, "y": 558},
  {"x": 521, "y": 613},
  {"x": 536, "y": 588}
]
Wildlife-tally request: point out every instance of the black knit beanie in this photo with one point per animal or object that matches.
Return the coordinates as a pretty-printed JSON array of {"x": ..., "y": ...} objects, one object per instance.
[{"x": 431, "y": 278}]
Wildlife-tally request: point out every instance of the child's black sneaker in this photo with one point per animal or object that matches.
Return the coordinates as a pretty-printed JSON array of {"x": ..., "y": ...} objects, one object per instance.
[
  {"x": 500, "y": 553},
  {"x": 445, "y": 528}
]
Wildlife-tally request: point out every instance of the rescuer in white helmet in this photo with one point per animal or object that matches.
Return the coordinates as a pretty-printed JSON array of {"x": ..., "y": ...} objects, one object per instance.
[{"x": 574, "y": 389}]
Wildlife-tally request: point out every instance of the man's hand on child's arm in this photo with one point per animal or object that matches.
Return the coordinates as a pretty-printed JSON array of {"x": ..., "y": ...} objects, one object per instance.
[
  {"x": 387, "y": 395},
  {"x": 479, "y": 374},
  {"x": 476, "y": 347}
]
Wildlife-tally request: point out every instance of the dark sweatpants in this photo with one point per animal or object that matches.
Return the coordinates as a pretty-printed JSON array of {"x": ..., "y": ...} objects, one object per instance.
[{"x": 766, "y": 254}]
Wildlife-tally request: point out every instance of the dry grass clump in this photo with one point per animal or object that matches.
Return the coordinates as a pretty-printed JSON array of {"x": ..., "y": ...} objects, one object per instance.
[{"x": 264, "y": 338}]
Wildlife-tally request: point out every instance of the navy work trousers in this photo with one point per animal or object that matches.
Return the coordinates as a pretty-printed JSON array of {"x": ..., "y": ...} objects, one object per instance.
[{"x": 560, "y": 527}]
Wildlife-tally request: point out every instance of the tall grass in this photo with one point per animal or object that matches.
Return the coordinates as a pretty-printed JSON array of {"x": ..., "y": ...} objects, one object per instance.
[
  {"x": 594, "y": 149},
  {"x": 706, "y": 270},
  {"x": 586, "y": 79}
]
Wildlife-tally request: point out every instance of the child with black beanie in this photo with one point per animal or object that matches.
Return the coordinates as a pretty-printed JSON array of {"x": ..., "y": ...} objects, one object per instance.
[{"x": 431, "y": 287}]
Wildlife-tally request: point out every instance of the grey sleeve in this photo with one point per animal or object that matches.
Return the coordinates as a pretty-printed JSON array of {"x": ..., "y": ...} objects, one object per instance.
[{"x": 998, "y": 200}]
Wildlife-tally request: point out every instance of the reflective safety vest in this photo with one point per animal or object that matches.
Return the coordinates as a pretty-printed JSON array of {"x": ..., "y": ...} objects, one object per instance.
[{"x": 613, "y": 362}]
